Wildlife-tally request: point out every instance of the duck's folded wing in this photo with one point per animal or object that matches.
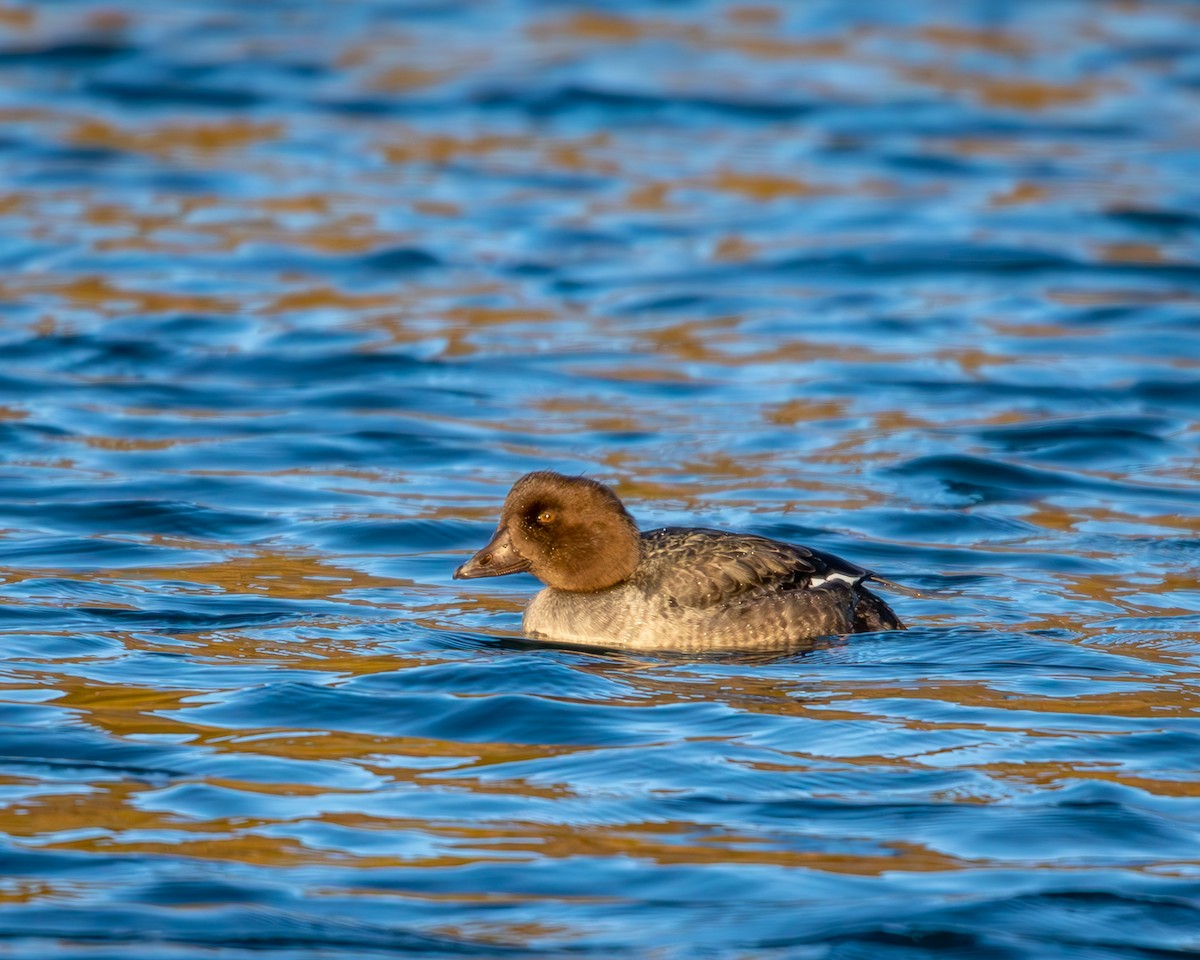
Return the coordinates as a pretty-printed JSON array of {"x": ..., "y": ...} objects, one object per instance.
[{"x": 700, "y": 568}]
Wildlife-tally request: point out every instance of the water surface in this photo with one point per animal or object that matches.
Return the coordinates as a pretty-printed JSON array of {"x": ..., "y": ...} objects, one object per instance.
[{"x": 292, "y": 292}]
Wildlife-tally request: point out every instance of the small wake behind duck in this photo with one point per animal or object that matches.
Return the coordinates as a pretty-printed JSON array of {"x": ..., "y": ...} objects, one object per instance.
[{"x": 681, "y": 588}]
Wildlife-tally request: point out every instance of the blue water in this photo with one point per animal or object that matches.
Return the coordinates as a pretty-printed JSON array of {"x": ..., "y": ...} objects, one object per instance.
[{"x": 292, "y": 292}]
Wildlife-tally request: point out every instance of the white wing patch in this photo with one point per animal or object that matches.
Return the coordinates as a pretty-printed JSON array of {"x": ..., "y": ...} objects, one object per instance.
[{"x": 836, "y": 575}]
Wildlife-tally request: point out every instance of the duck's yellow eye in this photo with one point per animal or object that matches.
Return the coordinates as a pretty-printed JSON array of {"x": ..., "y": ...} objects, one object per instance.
[{"x": 546, "y": 516}]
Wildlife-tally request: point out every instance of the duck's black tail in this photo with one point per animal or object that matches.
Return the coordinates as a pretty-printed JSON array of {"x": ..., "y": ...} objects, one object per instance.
[{"x": 871, "y": 613}]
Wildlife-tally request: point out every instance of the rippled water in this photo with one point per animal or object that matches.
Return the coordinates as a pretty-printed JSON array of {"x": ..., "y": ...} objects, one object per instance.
[{"x": 291, "y": 292}]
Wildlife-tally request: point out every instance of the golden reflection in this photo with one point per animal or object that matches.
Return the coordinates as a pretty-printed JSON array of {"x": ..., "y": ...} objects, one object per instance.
[
  {"x": 586, "y": 153},
  {"x": 659, "y": 374},
  {"x": 386, "y": 756},
  {"x": 325, "y": 297},
  {"x": 602, "y": 27},
  {"x": 268, "y": 573},
  {"x": 1050, "y": 774},
  {"x": 994, "y": 41},
  {"x": 405, "y": 78},
  {"x": 672, "y": 844},
  {"x": 725, "y": 475},
  {"x": 754, "y": 15},
  {"x": 1128, "y": 252},
  {"x": 138, "y": 443},
  {"x": 107, "y": 811},
  {"x": 505, "y": 932},
  {"x": 1019, "y": 194},
  {"x": 649, "y": 197},
  {"x": 438, "y": 208},
  {"x": 802, "y": 410},
  {"x": 1066, "y": 520},
  {"x": 128, "y": 711},
  {"x": 772, "y": 47},
  {"x": 331, "y": 226},
  {"x": 1000, "y": 148},
  {"x": 124, "y": 710},
  {"x": 98, "y": 293},
  {"x": 1108, "y": 296},
  {"x": 497, "y": 316},
  {"x": 17, "y": 18},
  {"x": 314, "y": 203},
  {"x": 735, "y": 249},
  {"x": 236, "y": 839},
  {"x": 1008, "y": 92},
  {"x": 751, "y": 31},
  {"x": 23, "y": 890},
  {"x": 1138, "y": 702},
  {"x": 571, "y": 415},
  {"x": 171, "y": 139},
  {"x": 440, "y": 149},
  {"x": 764, "y": 188}
]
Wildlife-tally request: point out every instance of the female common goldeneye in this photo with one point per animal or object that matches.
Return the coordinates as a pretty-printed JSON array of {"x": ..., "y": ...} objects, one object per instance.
[{"x": 676, "y": 588}]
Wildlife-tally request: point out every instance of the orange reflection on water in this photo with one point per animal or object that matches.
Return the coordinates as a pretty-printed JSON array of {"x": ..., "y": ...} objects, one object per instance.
[{"x": 168, "y": 138}]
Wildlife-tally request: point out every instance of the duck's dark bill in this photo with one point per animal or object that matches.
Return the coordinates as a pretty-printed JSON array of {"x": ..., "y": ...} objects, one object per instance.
[{"x": 495, "y": 560}]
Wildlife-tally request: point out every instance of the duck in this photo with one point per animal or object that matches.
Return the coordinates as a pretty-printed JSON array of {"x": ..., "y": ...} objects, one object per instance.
[{"x": 608, "y": 584}]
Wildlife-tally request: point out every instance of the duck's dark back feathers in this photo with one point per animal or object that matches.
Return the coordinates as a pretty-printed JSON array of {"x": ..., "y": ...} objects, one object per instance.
[{"x": 700, "y": 567}]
